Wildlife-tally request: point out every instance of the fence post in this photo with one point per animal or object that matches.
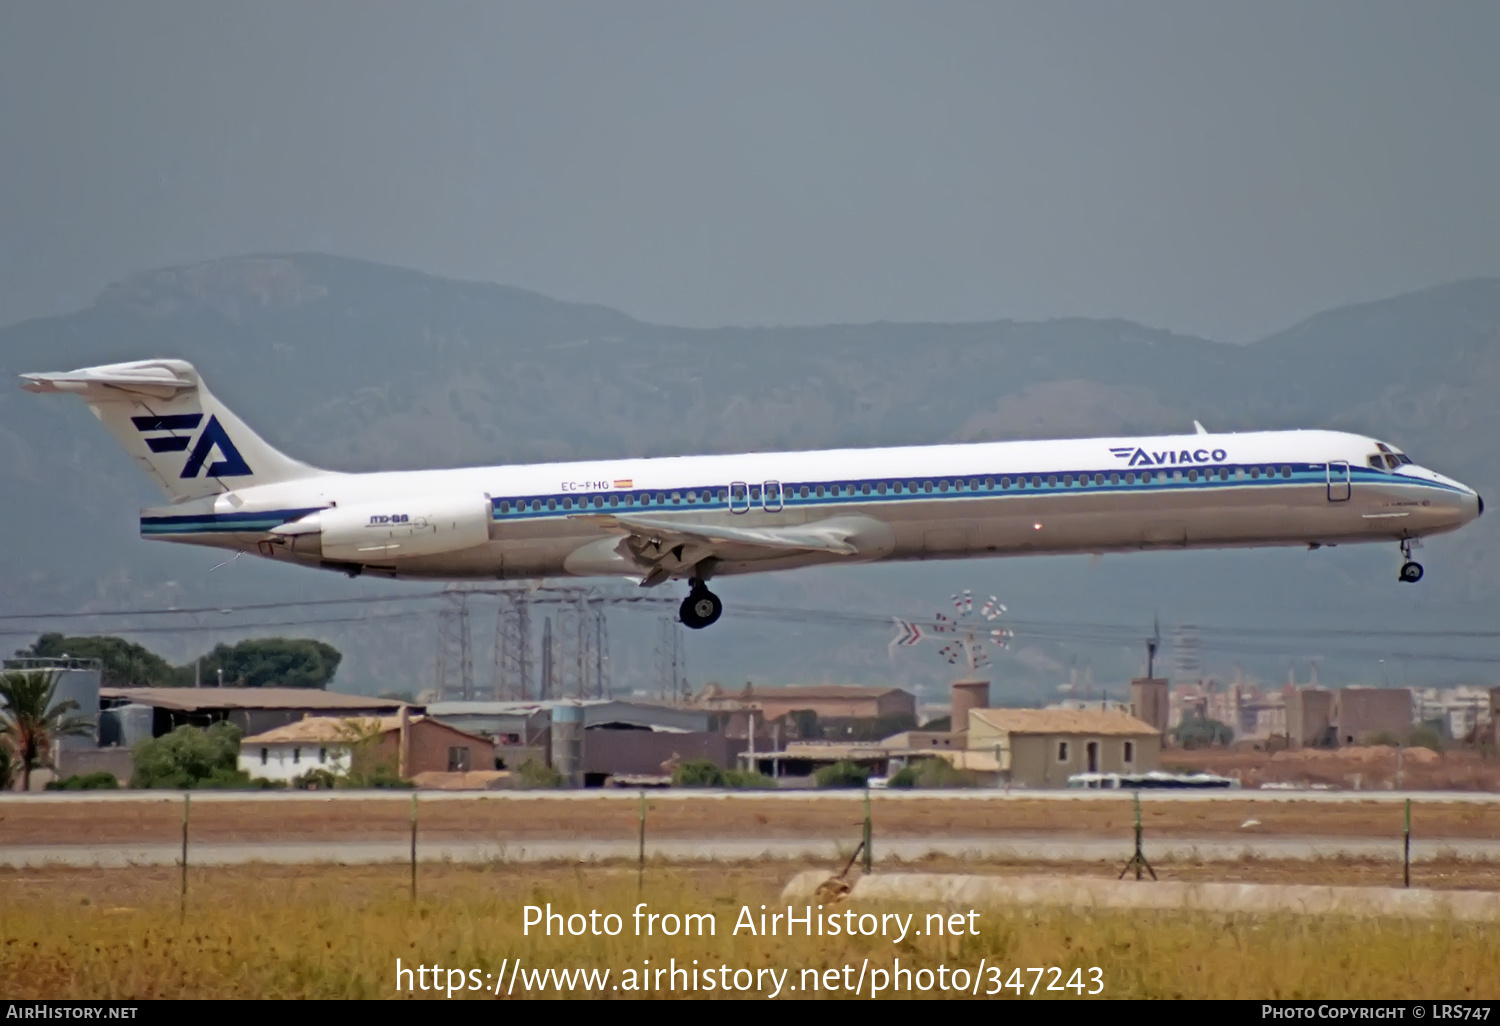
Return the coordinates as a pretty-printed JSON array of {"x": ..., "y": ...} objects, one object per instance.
[
  {"x": 414, "y": 846},
  {"x": 1406, "y": 856},
  {"x": 868, "y": 859},
  {"x": 186, "y": 805},
  {"x": 640, "y": 859}
]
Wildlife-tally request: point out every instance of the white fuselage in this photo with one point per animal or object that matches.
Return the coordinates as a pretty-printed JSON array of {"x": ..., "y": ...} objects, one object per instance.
[{"x": 927, "y": 502}]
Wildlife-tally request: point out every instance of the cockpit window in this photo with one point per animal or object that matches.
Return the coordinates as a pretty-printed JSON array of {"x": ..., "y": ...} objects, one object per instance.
[
  {"x": 1377, "y": 461},
  {"x": 1392, "y": 460}
]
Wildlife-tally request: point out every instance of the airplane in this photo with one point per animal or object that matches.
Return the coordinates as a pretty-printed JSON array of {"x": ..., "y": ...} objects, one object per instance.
[{"x": 696, "y": 518}]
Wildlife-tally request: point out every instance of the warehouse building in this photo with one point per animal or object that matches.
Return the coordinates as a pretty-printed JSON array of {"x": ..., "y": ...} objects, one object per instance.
[{"x": 253, "y": 710}]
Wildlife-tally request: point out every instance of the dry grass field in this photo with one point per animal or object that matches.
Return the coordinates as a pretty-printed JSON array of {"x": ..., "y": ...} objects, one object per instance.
[
  {"x": 333, "y": 932},
  {"x": 498, "y": 819}
]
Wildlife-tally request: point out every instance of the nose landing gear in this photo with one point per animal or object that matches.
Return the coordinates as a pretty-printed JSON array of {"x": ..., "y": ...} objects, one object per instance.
[
  {"x": 701, "y": 608},
  {"x": 1411, "y": 571}
]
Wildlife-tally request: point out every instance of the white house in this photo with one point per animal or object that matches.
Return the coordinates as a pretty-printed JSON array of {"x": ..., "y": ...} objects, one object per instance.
[{"x": 286, "y": 753}]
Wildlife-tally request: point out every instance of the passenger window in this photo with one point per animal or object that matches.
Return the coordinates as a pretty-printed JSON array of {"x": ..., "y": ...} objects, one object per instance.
[
  {"x": 989, "y": 482},
  {"x": 1114, "y": 479},
  {"x": 505, "y": 507},
  {"x": 1068, "y": 480},
  {"x": 1192, "y": 475},
  {"x": 1036, "y": 482},
  {"x": 551, "y": 503},
  {"x": 802, "y": 491},
  {"x": 1286, "y": 471},
  {"x": 942, "y": 486},
  {"x": 819, "y": 491},
  {"x": 661, "y": 498},
  {"x": 1005, "y": 482},
  {"x": 614, "y": 500},
  {"x": 598, "y": 501},
  {"x": 755, "y": 492},
  {"x": 974, "y": 485},
  {"x": 1146, "y": 477}
]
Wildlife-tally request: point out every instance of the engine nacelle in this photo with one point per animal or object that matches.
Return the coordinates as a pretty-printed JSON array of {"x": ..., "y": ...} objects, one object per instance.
[{"x": 400, "y": 529}]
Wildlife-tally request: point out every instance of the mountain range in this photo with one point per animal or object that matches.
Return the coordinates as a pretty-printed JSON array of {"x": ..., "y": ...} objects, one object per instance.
[{"x": 357, "y": 366}]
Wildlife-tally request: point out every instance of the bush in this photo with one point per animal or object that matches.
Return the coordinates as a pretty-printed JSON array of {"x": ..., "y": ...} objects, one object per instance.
[
  {"x": 99, "y": 780},
  {"x": 191, "y": 757},
  {"x": 698, "y": 773},
  {"x": 748, "y": 780},
  {"x": 932, "y": 773},
  {"x": 533, "y": 775},
  {"x": 316, "y": 780},
  {"x": 842, "y": 774},
  {"x": 1383, "y": 738},
  {"x": 905, "y": 777}
]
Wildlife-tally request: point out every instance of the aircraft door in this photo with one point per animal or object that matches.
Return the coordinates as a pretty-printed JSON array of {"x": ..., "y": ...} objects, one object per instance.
[
  {"x": 770, "y": 497},
  {"x": 739, "y": 497},
  {"x": 1338, "y": 481}
]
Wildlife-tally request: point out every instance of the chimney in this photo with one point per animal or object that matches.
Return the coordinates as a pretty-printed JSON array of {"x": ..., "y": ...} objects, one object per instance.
[{"x": 966, "y": 695}]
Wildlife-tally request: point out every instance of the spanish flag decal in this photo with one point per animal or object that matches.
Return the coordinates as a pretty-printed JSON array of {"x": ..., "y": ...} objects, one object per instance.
[{"x": 625, "y": 483}]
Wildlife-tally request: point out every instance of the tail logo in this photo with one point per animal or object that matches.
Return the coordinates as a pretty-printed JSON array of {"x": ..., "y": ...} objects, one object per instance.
[{"x": 213, "y": 438}]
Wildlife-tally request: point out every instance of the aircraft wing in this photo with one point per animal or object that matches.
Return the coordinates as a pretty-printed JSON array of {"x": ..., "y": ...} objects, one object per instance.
[
  {"x": 826, "y": 536},
  {"x": 663, "y": 546}
]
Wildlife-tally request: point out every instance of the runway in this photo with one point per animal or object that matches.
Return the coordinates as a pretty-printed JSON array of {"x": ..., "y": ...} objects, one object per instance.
[{"x": 1038, "y": 849}]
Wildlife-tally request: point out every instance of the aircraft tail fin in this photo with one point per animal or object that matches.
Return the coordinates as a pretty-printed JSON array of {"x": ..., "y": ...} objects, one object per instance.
[{"x": 190, "y": 444}]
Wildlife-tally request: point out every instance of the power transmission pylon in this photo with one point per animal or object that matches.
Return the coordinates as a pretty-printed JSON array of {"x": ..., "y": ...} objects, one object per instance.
[
  {"x": 512, "y": 674},
  {"x": 455, "y": 669}
]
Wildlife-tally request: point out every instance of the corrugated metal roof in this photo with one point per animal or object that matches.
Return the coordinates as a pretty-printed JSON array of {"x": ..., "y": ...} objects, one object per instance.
[
  {"x": 192, "y": 699},
  {"x": 1100, "y": 722}
]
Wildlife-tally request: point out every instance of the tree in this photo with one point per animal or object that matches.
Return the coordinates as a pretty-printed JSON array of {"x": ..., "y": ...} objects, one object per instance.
[
  {"x": 7, "y": 766},
  {"x": 125, "y": 664},
  {"x": 191, "y": 757},
  {"x": 1202, "y": 733},
  {"x": 32, "y": 718},
  {"x": 271, "y": 662}
]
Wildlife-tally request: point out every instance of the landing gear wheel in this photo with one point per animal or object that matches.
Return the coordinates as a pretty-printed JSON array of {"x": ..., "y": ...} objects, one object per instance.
[
  {"x": 1411, "y": 572},
  {"x": 701, "y": 608}
]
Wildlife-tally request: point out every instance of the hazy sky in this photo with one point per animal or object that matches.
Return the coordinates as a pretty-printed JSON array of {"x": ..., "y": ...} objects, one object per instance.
[{"x": 1215, "y": 168}]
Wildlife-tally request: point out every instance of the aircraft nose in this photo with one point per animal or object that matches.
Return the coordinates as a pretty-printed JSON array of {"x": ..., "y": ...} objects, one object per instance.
[{"x": 1480, "y": 499}]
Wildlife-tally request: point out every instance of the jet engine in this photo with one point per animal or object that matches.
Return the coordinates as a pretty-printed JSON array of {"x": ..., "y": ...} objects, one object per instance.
[{"x": 399, "y": 529}]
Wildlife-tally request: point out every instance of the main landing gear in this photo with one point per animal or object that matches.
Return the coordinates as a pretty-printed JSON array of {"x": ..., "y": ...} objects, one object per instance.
[
  {"x": 1411, "y": 572},
  {"x": 701, "y": 608}
]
